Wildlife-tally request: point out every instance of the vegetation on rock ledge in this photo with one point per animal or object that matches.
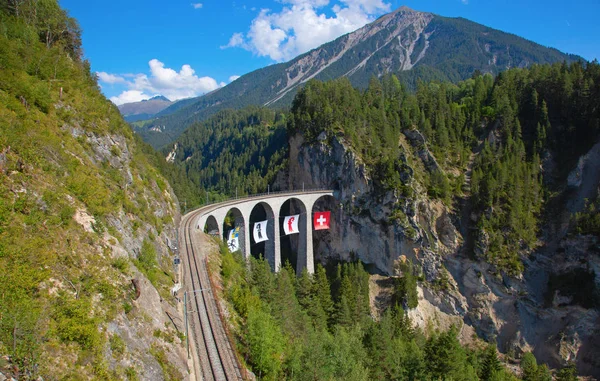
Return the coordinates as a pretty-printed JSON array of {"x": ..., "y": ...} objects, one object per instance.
[{"x": 73, "y": 183}]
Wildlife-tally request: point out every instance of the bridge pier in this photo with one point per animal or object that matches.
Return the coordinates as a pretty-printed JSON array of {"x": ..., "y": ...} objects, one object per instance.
[
  {"x": 276, "y": 242},
  {"x": 247, "y": 252},
  {"x": 309, "y": 261}
]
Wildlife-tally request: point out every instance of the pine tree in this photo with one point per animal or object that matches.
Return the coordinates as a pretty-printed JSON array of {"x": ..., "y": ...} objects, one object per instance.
[
  {"x": 444, "y": 356},
  {"x": 285, "y": 306},
  {"x": 343, "y": 313},
  {"x": 568, "y": 373},
  {"x": 491, "y": 364},
  {"x": 304, "y": 290},
  {"x": 323, "y": 293},
  {"x": 266, "y": 343},
  {"x": 406, "y": 285},
  {"x": 544, "y": 373},
  {"x": 529, "y": 367},
  {"x": 261, "y": 278}
]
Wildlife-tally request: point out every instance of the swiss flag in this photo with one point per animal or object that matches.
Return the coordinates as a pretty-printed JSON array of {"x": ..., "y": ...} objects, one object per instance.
[{"x": 321, "y": 220}]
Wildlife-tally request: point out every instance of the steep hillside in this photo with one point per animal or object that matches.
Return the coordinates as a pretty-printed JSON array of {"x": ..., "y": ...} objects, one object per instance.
[
  {"x": 413, "y": 45},
  {"x": 85, "y": 220}
]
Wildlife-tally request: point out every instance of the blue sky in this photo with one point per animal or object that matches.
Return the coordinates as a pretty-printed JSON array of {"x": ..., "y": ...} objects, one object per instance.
[{"x": 178, "y": 48}]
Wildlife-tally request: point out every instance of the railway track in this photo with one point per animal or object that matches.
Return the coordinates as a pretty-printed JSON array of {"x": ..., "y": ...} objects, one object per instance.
[{"x": 211, "y": 344}]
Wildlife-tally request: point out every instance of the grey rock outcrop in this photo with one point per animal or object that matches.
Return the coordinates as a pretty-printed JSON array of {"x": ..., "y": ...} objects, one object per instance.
[
  {"x": 376, "y": 226},
  {"x": 576, "y": 175},
  {"x": 148, "y": 328},
  {"x": 584, "y": 180},
  {"x": 520, "y": 313},
  {"x": 418, "y": 141}
]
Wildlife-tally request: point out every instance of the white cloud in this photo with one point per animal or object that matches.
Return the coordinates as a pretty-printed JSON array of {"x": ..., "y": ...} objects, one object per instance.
[
  {"x": 164, "y": 81},
  {"x": 197, "y": 5},
  {"x": 237, "y": 39},
  {"x": 465, "y": 2},
  {"x": 129, "y": 96},
  {"x": 233, "y": 78},
  {"x": 110, "y": 78},
  {"x": 302, "y": 25}
]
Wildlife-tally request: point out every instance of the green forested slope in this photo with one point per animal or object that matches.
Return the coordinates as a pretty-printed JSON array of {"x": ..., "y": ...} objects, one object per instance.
[
  {"x": 319, "y": 327},
  {"x": 503, "y": 131},
  {"x": 234, "y": 149},
  {"x": 76, "y": 190},
  {"x": 499, "y": 128}
]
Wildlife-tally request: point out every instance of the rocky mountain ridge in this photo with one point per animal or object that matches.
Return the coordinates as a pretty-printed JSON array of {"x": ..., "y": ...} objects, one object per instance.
[
  {"x": 145, "y": 109},
  {"x": 411, "y": 44},
  {"x": 402, "y": 28}
]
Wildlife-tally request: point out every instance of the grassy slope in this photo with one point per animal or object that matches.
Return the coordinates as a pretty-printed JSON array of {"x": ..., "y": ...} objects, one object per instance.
[{"x": 60, "y": 156}]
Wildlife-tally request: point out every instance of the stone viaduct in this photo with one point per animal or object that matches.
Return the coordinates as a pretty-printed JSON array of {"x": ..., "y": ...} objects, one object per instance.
[{"x": 213, "y": 218}]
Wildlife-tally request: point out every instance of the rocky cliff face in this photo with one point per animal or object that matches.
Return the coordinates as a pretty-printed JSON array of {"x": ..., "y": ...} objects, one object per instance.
[
  {"x": 365, "y": 229},
  {"x": 105, "y": 231},
  {"x": 146, "y": 337},
  {"x": 539, "y": 311},
  {"x": 149, "y": 331}
]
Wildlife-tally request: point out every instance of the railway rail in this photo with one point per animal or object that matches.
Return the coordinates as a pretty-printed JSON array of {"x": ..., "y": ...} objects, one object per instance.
[{"x": 216, "y": 356}]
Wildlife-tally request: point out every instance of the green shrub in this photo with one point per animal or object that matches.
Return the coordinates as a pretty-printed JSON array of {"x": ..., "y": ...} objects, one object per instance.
[
  {"x": 170, "y": 372},
  {"x": 117, "y": 345},
  {"x": 121, "y": 264},
  {"x": 75, "y": 323}
]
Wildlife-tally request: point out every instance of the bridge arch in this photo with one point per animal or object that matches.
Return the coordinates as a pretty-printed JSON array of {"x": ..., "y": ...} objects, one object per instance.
[
  {"x": 294, "y": 246},
  {"x": 211, "y": 226},
  {"x": 263, "y": 211},
  {"x": 234, "y": 218},
  {"x": 322, "y": 239}
]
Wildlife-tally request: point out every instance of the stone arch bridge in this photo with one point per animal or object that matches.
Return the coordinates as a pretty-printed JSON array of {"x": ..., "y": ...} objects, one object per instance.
[{"x": 270, "y": 207}]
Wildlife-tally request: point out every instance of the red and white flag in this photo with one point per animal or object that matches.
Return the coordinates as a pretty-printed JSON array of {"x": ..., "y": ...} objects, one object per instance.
[
  {"x": 290, "y": 224},
  {"x": 321, "y": 220}
]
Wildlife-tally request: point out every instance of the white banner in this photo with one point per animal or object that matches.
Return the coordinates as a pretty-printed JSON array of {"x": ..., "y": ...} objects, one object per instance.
[
  {"x": 233, "y": 242},
  {"x": 290, "y": 224},
  {"x": 260, "y": 231}
]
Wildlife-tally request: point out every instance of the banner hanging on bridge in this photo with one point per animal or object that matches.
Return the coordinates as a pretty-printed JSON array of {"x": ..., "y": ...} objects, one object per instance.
[
  {"x": 233, "y": 242},
  {"x": 321, "y": 220},
  {"x": 260, "y": 231},
  {"x": 290, "y": 224}
]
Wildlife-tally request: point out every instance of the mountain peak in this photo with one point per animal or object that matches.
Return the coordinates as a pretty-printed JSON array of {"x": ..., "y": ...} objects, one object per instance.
[
  {"x": 144, "y": 109},
  {"x": 158, "y": 98},
  {"x": 399, "y": 12},
  {"x": 404, "y": 8}
]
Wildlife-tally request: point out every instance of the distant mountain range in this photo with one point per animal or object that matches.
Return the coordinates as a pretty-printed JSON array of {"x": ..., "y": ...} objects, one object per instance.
[
  {"x": 145, "y": 109},
  {"x": 410, "y": 44}
]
